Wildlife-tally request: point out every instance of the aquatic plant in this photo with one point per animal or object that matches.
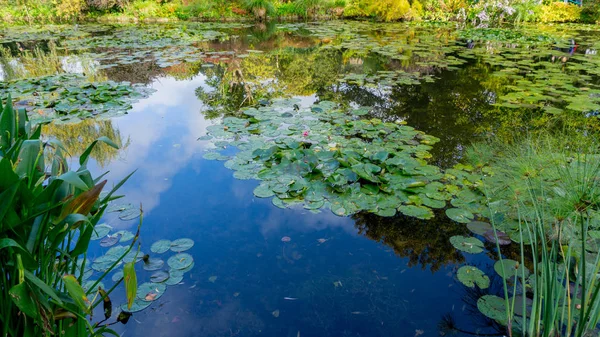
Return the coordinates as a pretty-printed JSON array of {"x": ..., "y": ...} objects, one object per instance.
[
  {"x": 543, "y": 198},
  {"x": 49, "y": 215},
  {"x": 323, "y": 157},
  {"x": 70, "y": 97}
]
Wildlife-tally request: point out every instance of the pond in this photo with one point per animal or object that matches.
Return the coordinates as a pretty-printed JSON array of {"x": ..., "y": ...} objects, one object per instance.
[{"x": 268, "y": 262}]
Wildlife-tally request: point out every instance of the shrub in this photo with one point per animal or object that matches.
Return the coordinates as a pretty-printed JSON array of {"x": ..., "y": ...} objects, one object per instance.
[
  {"x": 390, "y": 10},
  {"x": 288, "y": 9},
  {"x": 560, "y": 12},
  {"x": 69, "y": 9},
  {"x": 590, "y": 12},
  {"x": 260, "y": 8}
]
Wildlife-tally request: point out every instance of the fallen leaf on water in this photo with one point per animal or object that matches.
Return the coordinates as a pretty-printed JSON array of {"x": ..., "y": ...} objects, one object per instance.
[
  {"x": 236, "y": 294},
  {"x": 150, "y": 296},
  {"x": 356, "y": 313},
  {"x": 212, "y": 279},
  {"x": 337, "y": 283},
  {"x": 419, "y": 332},
  {"x": 322, "y": 240},
  {"x": 175, "y": 319},
  {"x": 290, "y": 298},
  {"x": 275, "y": 313}
]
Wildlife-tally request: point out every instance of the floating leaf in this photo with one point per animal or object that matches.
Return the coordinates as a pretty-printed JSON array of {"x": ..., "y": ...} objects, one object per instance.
[
  {"x": 212, "y": 279},
  {"x": 479, "y": 227},
  {"x": 180, "y": 261},
  {"x": 181, "y": 245},
  {"x": 507, "y": 269},
  {"x": 459, "y": 215},
  {"x": 175, "y": 277},
  {"x": 419, "y": 212},
  {"x": 151, "y": 291},
  {"x": 110, "y": 240},
  {"x": 159, "y": 276},
  {"x": 160, "y": 246},
  {"x": 130, "y": 214},
  {"x": 503, "y": 238},
  {"x": 471, "y": 276},
  {"x": 467, "y": 244},
  {"x": 493, "y": 307},
  {"x": 153, "y": 264},
  {"x": 100, "y": 231}
]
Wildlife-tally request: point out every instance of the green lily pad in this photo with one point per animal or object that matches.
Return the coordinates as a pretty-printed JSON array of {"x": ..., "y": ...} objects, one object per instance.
[
  {"x": 263, "y": 191},
  {"x": 138, "y": 305},
  {"x": 100, "y": 231},
  {"x": 471, "y": 276},
  {"x": 493, "y": 307},
  {"x": 419, "y": 212},
  {"x": 159, "y": 276},
  {"x": 180, "y": 261},
  {"x": 117, "y": 276},
  {"x": 459, "y": 215},
  {"x": 175, "y": 277},
  {"x": 181, "y": 245},
  {"x": 151, "y": 291},
  {"x": 153, "y": 264},
  {"x": 511, "y": 269},
  {"x": 160, "y": 246},
  {"x": 467, "y": 244},
  {"x": 125, "y": 236},
  {"x": 479, "y": 227}
]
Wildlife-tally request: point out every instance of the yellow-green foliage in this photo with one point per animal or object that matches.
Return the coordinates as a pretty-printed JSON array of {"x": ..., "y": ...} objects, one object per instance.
[
  {"x": 385, "y": 10},
  {"x": 69, "y": 9},
  {"x": 560, "y": 12}
]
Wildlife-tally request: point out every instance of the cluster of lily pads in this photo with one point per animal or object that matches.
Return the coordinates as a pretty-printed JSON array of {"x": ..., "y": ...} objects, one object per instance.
[
  {"x": 325, "y": 157},
  {"x": 69, "y": 97},
  {"x": 159, "y": 278}
]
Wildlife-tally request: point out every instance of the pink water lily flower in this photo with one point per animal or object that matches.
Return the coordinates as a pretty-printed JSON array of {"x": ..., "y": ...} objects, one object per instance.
[{"x": 305, "y": 133}]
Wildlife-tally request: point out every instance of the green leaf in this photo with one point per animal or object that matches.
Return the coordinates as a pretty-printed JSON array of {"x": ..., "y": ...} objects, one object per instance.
[
  {"x": 21, "y": 295},
  {"x": 130, "y": 280},
  {"x": 419, "y": 212},
  {"x": 493, "y": 307},
  {"x": 160, "y": 246},
  {"x": 459, "y": 215},
  {"x": 467, "y": 244},
  {"x": 471, "y": 276},
  {"x": 42, "y": 286},
  {"x": 507, "y": 269},
  {"x": 77, "y": 293}
]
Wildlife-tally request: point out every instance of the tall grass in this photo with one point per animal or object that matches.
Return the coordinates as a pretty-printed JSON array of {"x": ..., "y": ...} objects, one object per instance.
[
  {"x": 552, "y": 193},
  {"x": 48, "y": 215}
]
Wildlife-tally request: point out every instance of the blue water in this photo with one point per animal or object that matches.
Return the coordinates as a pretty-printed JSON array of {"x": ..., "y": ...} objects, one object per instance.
[{"x": 348, "y": 285}]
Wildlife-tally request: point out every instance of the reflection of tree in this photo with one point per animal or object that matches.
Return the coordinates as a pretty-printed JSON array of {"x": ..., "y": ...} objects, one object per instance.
[
  {"x": 423, "y": 242},
  {"x": 138, "y": 72},
  {"x": 184, "y": 71},
  {"x": 77, "y": 137}
]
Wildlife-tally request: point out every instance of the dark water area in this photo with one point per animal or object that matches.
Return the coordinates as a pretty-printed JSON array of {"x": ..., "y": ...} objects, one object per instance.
[{"x": 363, "y": 275}]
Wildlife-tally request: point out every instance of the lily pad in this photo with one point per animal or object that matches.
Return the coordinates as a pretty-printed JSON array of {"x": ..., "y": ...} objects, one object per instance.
[
  {"x": 159, "y": 276},
  {"x": 180, "y": 261},
  {"x": 130, "y": 214},
  {"x": 479, "y": 227},
  {"x": 160, "y": 246},
  {"x": 508, "y": 269},
  {"x": 459, "y": 215},
  {"x": 493, "y": 307},
  {"x": 151, "y": 291},
  {"x": 153, "y": 264},
  {"x": 503, "y": 238},
  {"x": 100, "y": 231},
  {"x": 138, "y": 305},
  {"x": 467, "y": 244},
  {"x": 175, "y": 277},
  {"x": 110, "y": 240},
  {"x": 471, "y": 276},
  {"x": 181, "y": 245}
]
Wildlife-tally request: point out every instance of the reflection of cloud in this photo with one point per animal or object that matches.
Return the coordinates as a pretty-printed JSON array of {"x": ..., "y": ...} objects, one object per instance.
[{"x": 164, "y": 139}]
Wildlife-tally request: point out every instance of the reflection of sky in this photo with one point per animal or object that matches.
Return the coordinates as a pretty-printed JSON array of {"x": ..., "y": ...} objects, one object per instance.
[{"x": 238, "y": 240}]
